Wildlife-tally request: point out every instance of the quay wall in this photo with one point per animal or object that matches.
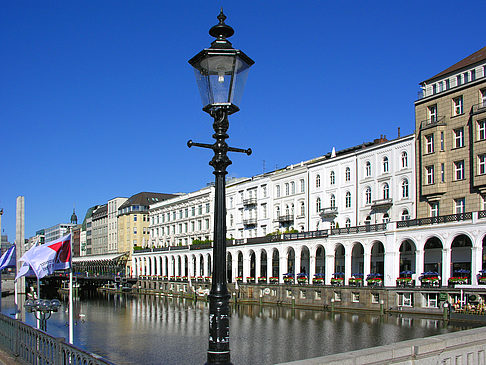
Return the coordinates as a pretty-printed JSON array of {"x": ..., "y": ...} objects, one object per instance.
[
  {"x": 467, "y": 348},
  {"x": 384, "y": 299}
]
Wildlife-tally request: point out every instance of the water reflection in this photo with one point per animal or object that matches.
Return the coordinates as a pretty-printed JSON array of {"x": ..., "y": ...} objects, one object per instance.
[{"x": 159, "y": 330}]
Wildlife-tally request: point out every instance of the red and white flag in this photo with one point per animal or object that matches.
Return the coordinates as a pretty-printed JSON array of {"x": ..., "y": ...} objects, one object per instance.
[{"x": 49, "y": 257}]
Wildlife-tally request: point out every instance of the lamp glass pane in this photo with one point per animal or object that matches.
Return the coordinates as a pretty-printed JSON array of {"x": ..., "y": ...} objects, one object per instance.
[{"x": 241, "y": 75}]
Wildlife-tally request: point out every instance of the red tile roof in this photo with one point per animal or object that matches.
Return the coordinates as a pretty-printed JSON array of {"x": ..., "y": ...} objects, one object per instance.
[{"x": 468, "y": 61}]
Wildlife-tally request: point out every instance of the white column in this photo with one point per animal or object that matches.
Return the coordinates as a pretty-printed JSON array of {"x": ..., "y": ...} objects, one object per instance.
[
  {"x": 198, "y": 266},
  {"x": 446, "y": 265},
  {"x": 298, "y": 254},
  {"x": 347, "y": 265},
  {"x": 283, "y": 265},
  {"x": 205, "y": 266},
  {"x": 258, "y": 265},
  {"x": 366, "y": 263},
  {"x": 476, "y": 263},
  {"x": 183, "y": 265},
  {"x": 419, "y": 265},
  {"x": 134, "y": 266},
  {"x": 312, "y": 268},
  {"x": 269, "y": 266},
  {"x": 391, "y": 268},
  {"x": 246, "y": 266},
  {"x": 190, "y": 269},
  {"x": 330, "y": 259},
  {"x": 234, "y": 266}
]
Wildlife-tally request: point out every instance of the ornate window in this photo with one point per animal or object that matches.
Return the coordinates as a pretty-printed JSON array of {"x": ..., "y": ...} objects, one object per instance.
[
  {"x": 404, "y": 188},
  {"x": 368, "y": 195},
  {"x": 368, "y": 168},
  {"x": 386, "y": 191},
  {"x": 404, "y": 160},
  {"x": 318, "y": 181},
  {"x": 332, "y": 178},
  {"x": 348, "y": 199},
  {"x": 405, "y": 215},
  {"x": 318, "y": 205},
  {"x": 348, "y": 222},
  {"x": 385, "y": 164},
  {"x": 302, "y": 209},
  {"x": 347, "y": 174},
  {"x": 332, "y": 201}
]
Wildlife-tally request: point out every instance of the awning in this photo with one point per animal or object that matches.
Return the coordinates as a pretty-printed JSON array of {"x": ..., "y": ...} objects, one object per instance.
[{"x": 98, "y": 258}]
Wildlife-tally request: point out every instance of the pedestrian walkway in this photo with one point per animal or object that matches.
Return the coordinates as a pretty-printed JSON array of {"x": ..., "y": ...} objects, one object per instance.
[{"x": 7, "y": 359}]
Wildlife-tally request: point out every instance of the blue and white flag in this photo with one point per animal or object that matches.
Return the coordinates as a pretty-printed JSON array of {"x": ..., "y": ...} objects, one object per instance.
[{"x": 8, "y": 259}]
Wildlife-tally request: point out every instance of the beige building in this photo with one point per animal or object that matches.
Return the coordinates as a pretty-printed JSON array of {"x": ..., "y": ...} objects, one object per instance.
[
  {"x": 113, "y": 205},
  {"x": 133, "y": 221},
  {"x": 450, "y": 122}
]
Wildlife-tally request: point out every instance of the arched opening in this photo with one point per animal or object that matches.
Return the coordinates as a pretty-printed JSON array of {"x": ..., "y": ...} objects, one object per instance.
[
  {"x": 252, "y": 264},
  {"x": 263, "y": 264},
  {"x": 229, "y": 266},
  {"x": 339, "y": 258},
  {"x": 433, "y": 255},
  {"x": 149, "y": 267},
  {"x": 210, "y": 266},
  {"x": 165, "y": 266},
  {"x": 172, "y": 266},
  {"x": 179, "y": 266},
  {"x": 320, "y": 260},
  {"x": 291, "y": 260},
  {"x": 240, "y": 265},
  {"x": 407, "y": 256},
  {"x": 201, "y": 266},
  {"x": 304, "y": 260},
  {"x": 275, "y": 263},
  {"x": 461, "y": 255},
  {"x": 357, "y": 259},
  {"x": 378, "y": 258},
  {"x": 484, "y": 253},
  {"x": 186, "y": 267}
]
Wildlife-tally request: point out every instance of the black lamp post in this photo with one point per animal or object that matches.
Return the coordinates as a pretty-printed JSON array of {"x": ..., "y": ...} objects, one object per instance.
[
  {"x": 221, "y": 73},
  {"x": 42, "y": 309}
]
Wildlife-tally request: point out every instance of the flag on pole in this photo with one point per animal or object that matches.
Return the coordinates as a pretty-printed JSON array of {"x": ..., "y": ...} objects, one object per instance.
[
  {"x": 47, "y": 258},
  {"x": 8, "y": 259}
]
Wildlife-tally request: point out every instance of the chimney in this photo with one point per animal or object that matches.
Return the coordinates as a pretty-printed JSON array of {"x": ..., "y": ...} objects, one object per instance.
[{"x": 398, "y": 132}]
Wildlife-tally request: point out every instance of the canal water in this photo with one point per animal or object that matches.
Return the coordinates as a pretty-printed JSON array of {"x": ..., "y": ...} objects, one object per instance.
[{"x": 146, "y": 329}]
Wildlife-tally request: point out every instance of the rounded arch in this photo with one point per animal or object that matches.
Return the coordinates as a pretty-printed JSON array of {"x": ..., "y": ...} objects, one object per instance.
[
  {"x": 461, "y": 256},
  {"x": 263, "y": 263},
  {"x": 320, "y": 254},
  {"x": 290, "y": 259},
  {"x": 339, "y": 254},
  {"x": 378, "y": 258},
  {"x": 357, "y": 258},
  {"x": 305, "y": 260},
  {"x": 252, "y": 257},
  {"x": 275, "y": 271},
  {"x": 407, "y": 259},
  {"x": 239, "y": 271},
  {"x": 433, "y": 255},
  {"x": 229, "y": 267}
]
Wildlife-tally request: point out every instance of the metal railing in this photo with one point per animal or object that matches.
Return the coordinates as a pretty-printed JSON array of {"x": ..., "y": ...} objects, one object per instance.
[
  {"x": 285, "y": 218},
  {"x": 359, "y": 229},
  {"x": 32, "y": 346},
  {"x": 432, "y": 121},
  {"x": 305, "y": 235},
  {"x": 435, "y": 220},
  {"x": 250, "y": 221},
  {"x": 250, "y": 201},
  {"x": 482, "y": 214}
]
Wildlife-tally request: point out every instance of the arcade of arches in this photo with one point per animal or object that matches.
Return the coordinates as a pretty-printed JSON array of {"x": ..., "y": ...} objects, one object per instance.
[{"x": 443, "y": 251}]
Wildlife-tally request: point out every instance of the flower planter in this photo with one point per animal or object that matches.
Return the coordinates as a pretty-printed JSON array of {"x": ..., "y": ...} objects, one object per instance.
[
  {"x": 355, "y": 282},
  {"x": 288, "y": 281},
  {"x": 273, "y": 280},
  {"x": 318, "y": 281},
  {"x": 429, "y": 282},
  {"x": 456, "y": 281},
  {"x": 405, "y": 282},
  {"x": 482, "y": 281},
  {"x": 302, "y": 281},
  {"x": 250, "y": 279},
  {"x": 239, "y": 279},
  {"x": 262, "y": 279},
  {"x": 375, "y": 282},
  {"x": 337, "y": 281}
]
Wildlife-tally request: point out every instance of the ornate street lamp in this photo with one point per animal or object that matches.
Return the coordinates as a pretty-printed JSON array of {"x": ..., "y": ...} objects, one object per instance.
[
  {"x": 42, "y": 309},
  {"x": 221, "y": 73}
]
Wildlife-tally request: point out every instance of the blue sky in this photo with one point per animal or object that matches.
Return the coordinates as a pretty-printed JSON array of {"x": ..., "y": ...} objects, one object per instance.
[{"x": 97, "y": 99}]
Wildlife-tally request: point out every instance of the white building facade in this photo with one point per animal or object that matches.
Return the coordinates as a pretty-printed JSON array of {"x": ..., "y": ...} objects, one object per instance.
[{"x": 113, "y": 205}]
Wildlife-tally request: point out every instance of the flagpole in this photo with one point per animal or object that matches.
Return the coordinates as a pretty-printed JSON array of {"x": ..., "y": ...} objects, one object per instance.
[{"x": 71, "y": 327}]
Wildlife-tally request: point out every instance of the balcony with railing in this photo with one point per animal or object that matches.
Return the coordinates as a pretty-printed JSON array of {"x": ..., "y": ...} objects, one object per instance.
[
  {"x": 250, "y": 222},
  {"x": 381, "y": 204},
  {"x": 436, "y": 220},
  {"x": 249, "y": 202},
  {"x": 285, "y": 218},
  {"x": 479, "y": 108},
  {"x": 432, "y": 122},
  {"x": 328, "y": 213}
]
